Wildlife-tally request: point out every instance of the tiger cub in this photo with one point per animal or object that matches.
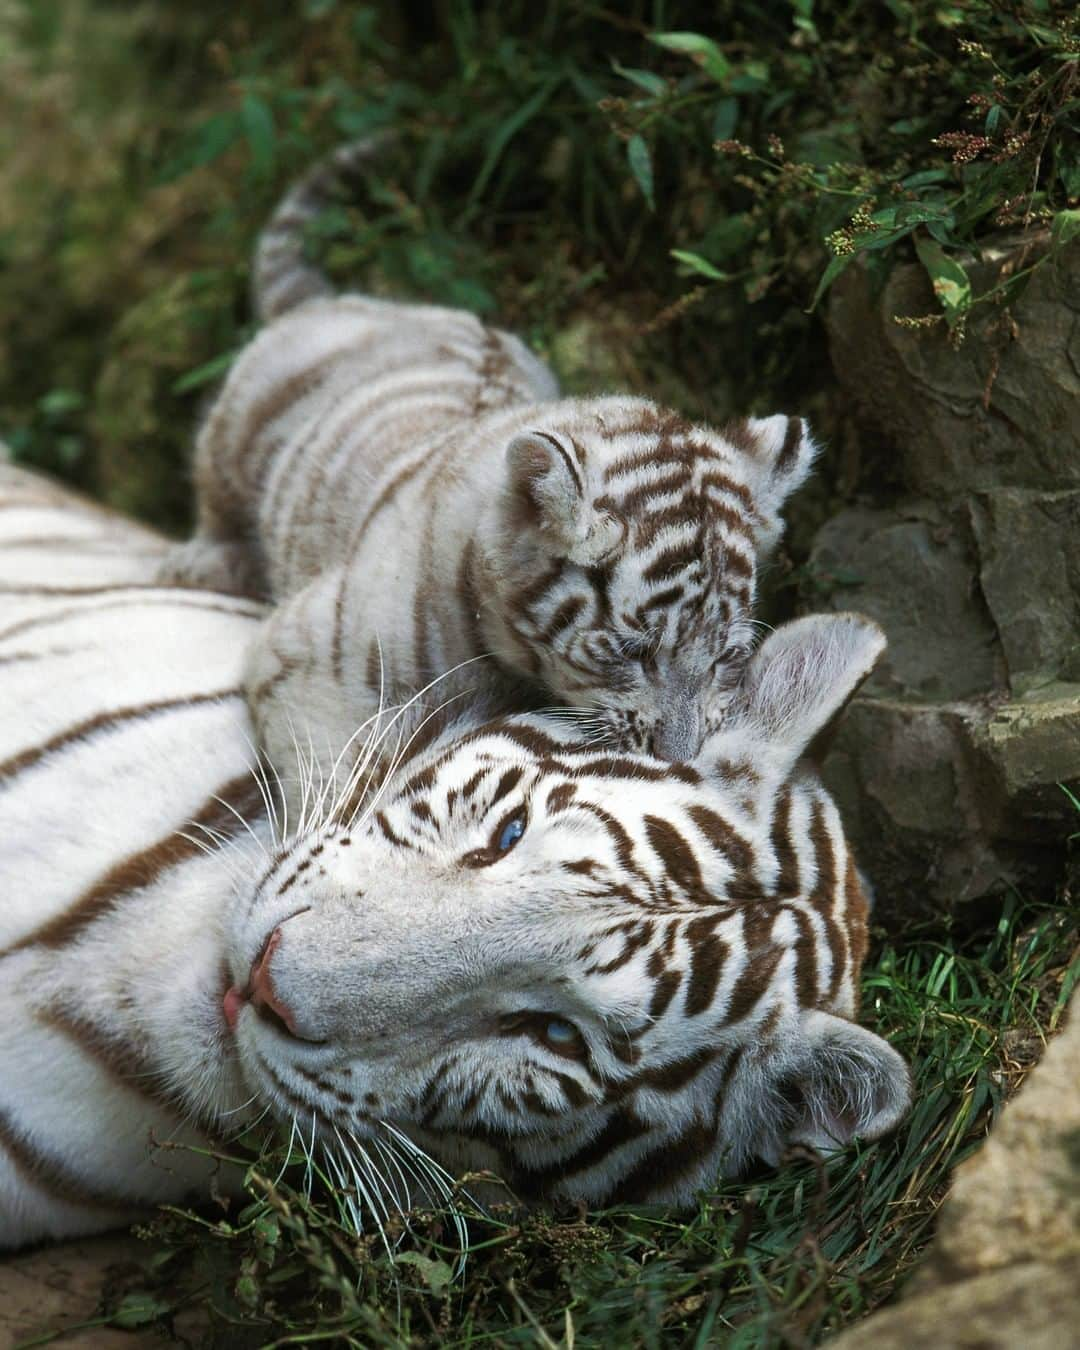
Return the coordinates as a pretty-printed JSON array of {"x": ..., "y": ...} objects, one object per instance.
[
  {"x": 603, "y": 977},
  {"x": 413, "y": 475}
]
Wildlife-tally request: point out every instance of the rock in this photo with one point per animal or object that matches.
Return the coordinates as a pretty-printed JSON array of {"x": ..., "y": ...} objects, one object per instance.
[
  {"x": 947, "y": 802},
  {"x": 1035, "y": 1306},
  {"x": 1029, "y": 572},
  {"x": 913, "y": 569},
  {"x": 1004, "y": 1270},
  {"x": 1018, "y": 1198},
  {"x": 950, "y": 764},
  {"x": 998, "y": 411}
]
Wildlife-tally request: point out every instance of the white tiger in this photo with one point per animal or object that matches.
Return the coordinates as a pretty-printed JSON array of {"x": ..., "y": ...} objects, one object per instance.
[
  {"x": 605, "y": 977},
  {"x": 411, "y": 477}
]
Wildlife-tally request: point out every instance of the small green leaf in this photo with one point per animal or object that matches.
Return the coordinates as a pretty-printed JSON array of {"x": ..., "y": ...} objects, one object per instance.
[
  {"x": 267, "y": 1230},
  {"x": 210, "y": 370},
  {"x": 505, "y": 133},
  {"x": 700, "y": 49},
  {"x": 696, "y": 263},
  {"x": 749, "y": 78},
  {"x": 258, "y": 123},
  {"x": 138, "y": 1308},
  {"x": 924, "y": 178},
  {"x": 835, "y": 267},
  {"x": 59, "y": 402},
  {"x": 1065, "y": 226},
  {"x": 644, "y": 79},
  {"x": 437, "y": 1275},
  {"x": 637, "y": 152},
  {"x": 951, "y": 283},
  {"x": 725, "y": 119}
]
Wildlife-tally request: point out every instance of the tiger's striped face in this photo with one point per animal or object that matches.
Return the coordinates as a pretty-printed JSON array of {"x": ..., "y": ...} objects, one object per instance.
[
  {"x": 603, "y": 977},
  {"x": 626, "y": 580}
]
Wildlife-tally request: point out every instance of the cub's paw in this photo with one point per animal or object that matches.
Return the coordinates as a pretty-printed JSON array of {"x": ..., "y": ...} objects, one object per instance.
[{"x": 229, "y": 568}]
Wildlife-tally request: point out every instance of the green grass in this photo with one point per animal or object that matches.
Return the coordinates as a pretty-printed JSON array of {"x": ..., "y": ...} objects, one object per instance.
[
  {"x": 781, "y": 1259},
  {"x": 654, "y": 192}
]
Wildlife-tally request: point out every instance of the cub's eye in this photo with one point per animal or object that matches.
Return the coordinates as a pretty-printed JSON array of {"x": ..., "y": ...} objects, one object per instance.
[
  {"x": 510, "y": 833},
  {"x": 563, "y": 1037}
]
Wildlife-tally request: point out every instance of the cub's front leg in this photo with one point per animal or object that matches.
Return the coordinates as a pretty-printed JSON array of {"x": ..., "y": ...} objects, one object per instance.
[
  {"x": 331, "y": 708},
  {"x": 208, "y": 564}
]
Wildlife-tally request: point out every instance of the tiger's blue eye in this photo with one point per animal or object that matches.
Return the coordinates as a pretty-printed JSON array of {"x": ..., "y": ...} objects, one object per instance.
[
  {"x": 511, "y": 833},
  {"x": 562, "y": 1035}
]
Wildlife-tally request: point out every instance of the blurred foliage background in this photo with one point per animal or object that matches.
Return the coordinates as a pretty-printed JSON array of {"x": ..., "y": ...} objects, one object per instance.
[{"x": 654, "y": 193}]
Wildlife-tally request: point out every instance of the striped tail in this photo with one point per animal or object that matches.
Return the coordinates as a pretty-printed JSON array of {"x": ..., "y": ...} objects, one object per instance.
[{"x": 282, "y": 277}]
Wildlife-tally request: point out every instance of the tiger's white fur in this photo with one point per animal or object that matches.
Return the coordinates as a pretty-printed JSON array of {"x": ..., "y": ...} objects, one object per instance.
[
  {"x": 607, "y": 977},
  {"x": 412, "y": 474}
]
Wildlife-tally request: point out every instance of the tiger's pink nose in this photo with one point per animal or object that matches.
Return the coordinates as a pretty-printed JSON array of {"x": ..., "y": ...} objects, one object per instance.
[{"x": 260, "y": 990}]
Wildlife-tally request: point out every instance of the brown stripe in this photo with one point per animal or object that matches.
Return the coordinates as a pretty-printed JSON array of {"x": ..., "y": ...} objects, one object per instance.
[
  {"x": 49, "y": 1173},
  {"x": 571, "y": 467},
  {"x": 664, "y": 991},
  {"x": 468, "y": 594},
  {"x": 676, "y": 854},
  {"x": 824, "y": 895},
  {"x": 724, "y": 837},
  {"x": 14, "y": 658},
  {"x": 671, "y": 1077},
  {"x": 788, "y": 451},
  {"x": 662, "y": 1167},
  {"x": 753, "y": 981},
  {"x": 566, "y": 614},
  {"x": 105, "y": 720},
  {"x": 707, "y": 956},
  {"x": 857, "y": 911},
  {"x": 630, "y": 503},
  {"x": 125, "y": 1061},
  {"x": 145, "y": 867},
  {"x": 806, "y": 959},
  {"x": 161, "y": 596},
  {"x": 787, "y": 882},
  {"x": 623, "y": 1128},
  {"x": 669, "y": 562},
  {"x": 338, "y": 637}
]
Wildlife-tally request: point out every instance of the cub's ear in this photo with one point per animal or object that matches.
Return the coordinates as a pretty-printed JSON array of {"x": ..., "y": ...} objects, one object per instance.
[
  {"x": 781, "y": 453},
  {"x": 548, "y": 494},
  {"x": 846, "y": 1082},
  {"x": 800, "y": 679}
]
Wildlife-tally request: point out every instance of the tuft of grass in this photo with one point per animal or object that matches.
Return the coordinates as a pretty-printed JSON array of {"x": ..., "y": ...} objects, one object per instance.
[{"x": 780, "y": 1259}]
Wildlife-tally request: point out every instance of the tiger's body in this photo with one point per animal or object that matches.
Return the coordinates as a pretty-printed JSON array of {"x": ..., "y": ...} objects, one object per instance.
[
  {"x": 122, "y": 722},
  {"x": 607, "y": 977},
  {"x": 407, "y": 486}
]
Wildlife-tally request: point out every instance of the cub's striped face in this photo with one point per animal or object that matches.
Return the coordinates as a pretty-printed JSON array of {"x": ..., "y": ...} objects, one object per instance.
[
  {"x": 603, "y": 977},
  {"x": 629, "y": 574}
]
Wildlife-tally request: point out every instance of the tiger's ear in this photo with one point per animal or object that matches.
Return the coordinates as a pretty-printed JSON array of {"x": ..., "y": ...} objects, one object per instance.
[
  {"x": 548, "y": 494},
  {"x": 846, "y": 1082},
  {"x": 794, "y": 685},
  {"x": 781, "y": 453}
]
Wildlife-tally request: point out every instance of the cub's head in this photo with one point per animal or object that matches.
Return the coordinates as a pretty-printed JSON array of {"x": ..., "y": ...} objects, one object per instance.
[
  {"x": 599, "y": 975},
  {"x": 624, "y": 576}
]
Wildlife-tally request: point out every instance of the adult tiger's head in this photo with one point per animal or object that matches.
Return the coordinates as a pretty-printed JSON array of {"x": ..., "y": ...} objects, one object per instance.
[
  {"x": 625, "y": 554},
  {"x": 604, "y": 977}
]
